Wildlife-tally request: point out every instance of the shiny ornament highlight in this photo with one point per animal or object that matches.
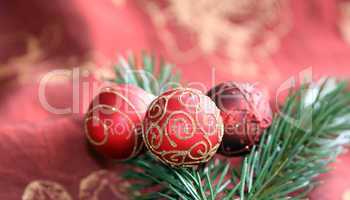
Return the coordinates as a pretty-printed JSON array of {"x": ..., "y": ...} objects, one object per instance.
[
  {"x": 113, "y": 123},
  {"x": 183, "y": 128}
]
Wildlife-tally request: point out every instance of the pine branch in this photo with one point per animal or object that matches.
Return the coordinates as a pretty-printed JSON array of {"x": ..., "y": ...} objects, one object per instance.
[
  {"x": 186, "y": 183},
  {"x": 304, "y": 138},
  {"x": 146, "y": 74},
  {"x": 292, "y": 154}
]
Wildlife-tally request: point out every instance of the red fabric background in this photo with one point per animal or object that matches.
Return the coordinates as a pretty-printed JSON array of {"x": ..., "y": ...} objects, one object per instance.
[{"x": 36, "y": 37}]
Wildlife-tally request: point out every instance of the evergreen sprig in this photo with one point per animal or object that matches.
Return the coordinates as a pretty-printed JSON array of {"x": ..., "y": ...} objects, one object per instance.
[
  {"x": 300, "y": 144},
  {"x": 307, "y": 135},
  {"x": 208, "y": 182},
  {"x": 146, "y": 73}
]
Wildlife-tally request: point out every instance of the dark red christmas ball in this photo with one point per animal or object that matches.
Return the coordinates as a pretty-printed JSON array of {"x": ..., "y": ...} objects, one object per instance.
[
  {"x": 113, "y": 123},
  {"x": 183, "y": 127},
  {"x": 246, "y": 113}
]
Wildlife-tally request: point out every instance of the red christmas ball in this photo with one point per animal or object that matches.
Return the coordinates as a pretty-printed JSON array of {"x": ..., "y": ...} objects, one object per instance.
[
  {"x": 246, "y": 113},
  {"x": 113, "y": 123},
  {"x": 183, "y": 127}
]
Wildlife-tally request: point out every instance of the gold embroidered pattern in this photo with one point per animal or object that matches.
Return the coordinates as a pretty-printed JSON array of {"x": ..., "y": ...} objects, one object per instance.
[
  {"x": 344, "y": 21},
  {"x": 93, "y": 185},
  {"x": 91, "y": 188},
  {"x": 45, "y": 190},
  {"x": 246, "y": 31}
]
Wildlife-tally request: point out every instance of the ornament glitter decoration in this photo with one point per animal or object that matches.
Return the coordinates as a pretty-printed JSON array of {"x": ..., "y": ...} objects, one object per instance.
[
  {"x": 246, "y": 113},
  {"x": 183, "y": 127},
  {"x": 113, "y": 123}
]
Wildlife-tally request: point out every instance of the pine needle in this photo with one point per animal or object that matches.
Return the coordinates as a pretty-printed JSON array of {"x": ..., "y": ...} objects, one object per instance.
[{"x": 303, "y": 139}]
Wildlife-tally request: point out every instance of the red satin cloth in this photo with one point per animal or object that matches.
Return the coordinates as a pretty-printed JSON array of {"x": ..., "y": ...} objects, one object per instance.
[{"x": 41, "y": 151}]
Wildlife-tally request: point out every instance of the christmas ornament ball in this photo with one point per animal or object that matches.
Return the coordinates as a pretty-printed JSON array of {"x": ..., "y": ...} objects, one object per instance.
[
  {"x": 183, "y": 128},
  {"x": 246, "y": 113},
  {"x": 113, "y": 123}
]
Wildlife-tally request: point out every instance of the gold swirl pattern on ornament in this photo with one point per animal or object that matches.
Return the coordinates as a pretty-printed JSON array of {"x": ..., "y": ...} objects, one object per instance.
[
  {"x": 106, "y": 128},
  {"x": 204, "y": 149},
  {"x": 136, "y": 147},
  {"x": 153, "y": 144},
  {"x": 189, "y": 135},
  {"x": 202, "y": 153},
  {"x": 179, "y": 157},
  {"x": 157, "y": 108},
  {"x": 154, "y": 105},
  {"x": 193, "y": 94},
  {"x": 105, "y": 131},
  {"x": 166, "y": 133},
  {"x": 176, "y": 157},
  {"x": 217, "y": 119}
]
